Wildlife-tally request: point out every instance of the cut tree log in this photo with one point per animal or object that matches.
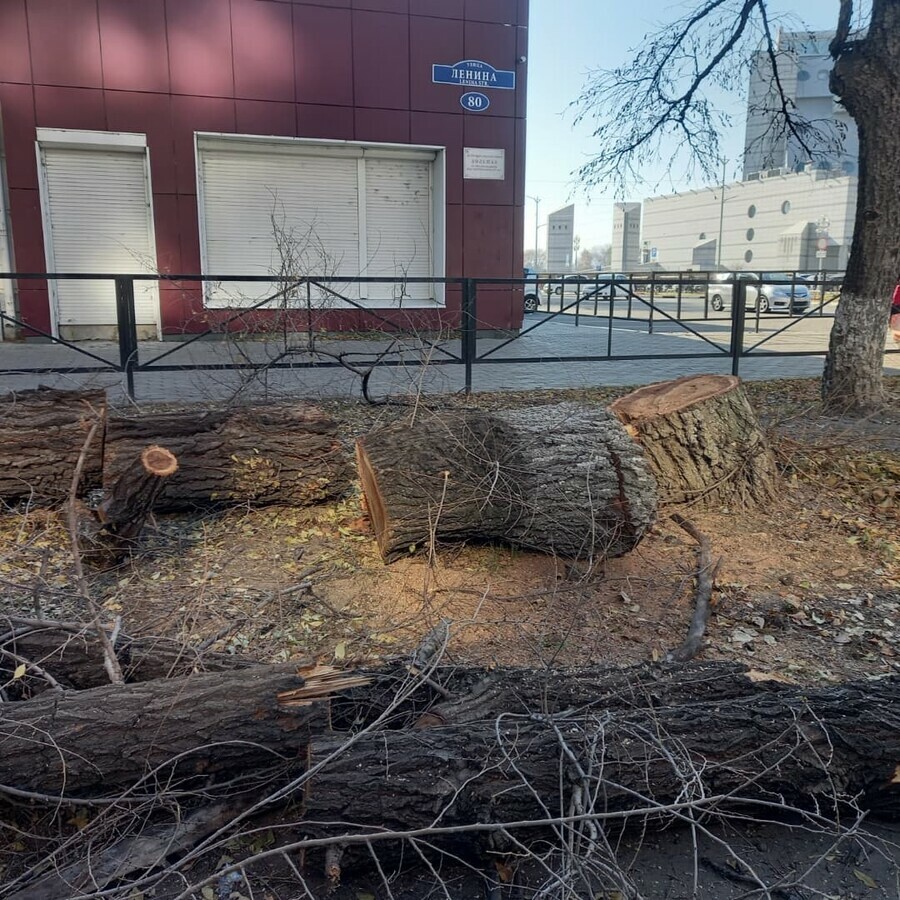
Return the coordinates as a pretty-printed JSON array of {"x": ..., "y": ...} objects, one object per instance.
[
  {"x": 94, "y": 742},
  {"x": 276, "y": 454},
  {"x": 73, "y": 655},
  {"x": 703, "y": 440},
  {"x": 135, "y": 727},
  {"x": 113, "y": 527},
  {"x": 129, "y": 502},
  {"x": 563, "y": 479},
  {"x": 42, "y": 433},
  {"x": 800, "y": 747}
]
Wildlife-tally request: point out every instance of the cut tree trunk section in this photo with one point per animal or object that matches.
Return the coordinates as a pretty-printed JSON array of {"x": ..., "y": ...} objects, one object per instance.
[
  {"x": 73, "y": 656},
  {"x": 287, "y": 455},
  {"x": 562, "y": 479},
  {"x": 138, "y": 726},
  {"x": 801, "y": 747},
  {"x": 125, "y": 508},
  {"x": 94, "y": 742},
  {"x": 42, "y": 433},
  {"x": 702, "y": 439}
]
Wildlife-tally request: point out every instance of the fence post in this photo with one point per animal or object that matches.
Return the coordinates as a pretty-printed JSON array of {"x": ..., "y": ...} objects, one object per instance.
[
  {"x": 738, "y": 316},
  {"x": 469, "y": 331},
  {"x": 127, "y": 328}
]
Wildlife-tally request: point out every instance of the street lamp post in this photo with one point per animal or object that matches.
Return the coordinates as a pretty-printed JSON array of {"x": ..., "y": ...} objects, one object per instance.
[
  {"x": 822, "y": 225},
  {"x": 537, "y": 206},
  {"x": 721, "y": 217}
]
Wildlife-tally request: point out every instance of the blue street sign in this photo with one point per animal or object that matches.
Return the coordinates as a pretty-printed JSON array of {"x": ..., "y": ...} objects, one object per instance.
[
  {"x": 474, "y": 101},
  {"x": 474, "y": 73}
]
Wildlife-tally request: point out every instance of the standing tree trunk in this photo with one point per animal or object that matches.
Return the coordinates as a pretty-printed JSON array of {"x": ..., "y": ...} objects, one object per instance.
[
  {"x": 865, "y": 79},
  {"x": 702, "y": 439}
]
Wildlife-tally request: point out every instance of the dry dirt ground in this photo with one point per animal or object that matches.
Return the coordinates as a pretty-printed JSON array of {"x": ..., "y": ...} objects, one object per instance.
[{"x": 808, "y": 589}]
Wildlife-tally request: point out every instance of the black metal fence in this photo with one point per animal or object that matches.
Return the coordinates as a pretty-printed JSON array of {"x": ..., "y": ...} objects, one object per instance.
[{"x": 721, "y": 314}]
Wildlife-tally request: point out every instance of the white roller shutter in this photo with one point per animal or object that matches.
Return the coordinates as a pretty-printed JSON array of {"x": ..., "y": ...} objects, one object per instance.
[
  {"x": 97, "y": 208},
  {"x": 399, "y": 214},
  {"x": 277, "y": 207},
  {"x": 268, "y": 212}
]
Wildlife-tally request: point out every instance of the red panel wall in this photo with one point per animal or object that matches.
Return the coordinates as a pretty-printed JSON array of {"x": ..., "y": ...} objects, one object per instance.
[{"x": 338, "y": 69}]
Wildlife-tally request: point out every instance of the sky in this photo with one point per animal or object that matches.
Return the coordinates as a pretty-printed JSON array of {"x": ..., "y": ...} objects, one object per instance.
[{"x": 567, "y": 38}]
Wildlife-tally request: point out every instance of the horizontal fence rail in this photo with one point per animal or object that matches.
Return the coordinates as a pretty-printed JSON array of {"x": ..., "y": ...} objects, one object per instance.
[{"x": 715, "y": 312}]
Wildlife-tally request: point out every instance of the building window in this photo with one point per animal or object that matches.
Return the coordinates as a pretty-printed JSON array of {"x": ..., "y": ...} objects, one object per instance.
[
  {"x": 786, "y": 207},
  {"x": 750, "y": 234},
  {"x": 751, "y": 211},
  {"x": 748, "y": 256},
  {"x": 702, "y": 236},
  {"x": 289, "y": 208},
  {"x": 803, "y": 75}
]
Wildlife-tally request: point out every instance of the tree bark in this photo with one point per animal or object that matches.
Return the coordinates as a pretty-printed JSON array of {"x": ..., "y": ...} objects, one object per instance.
[
  {"x": 564, "y": 479},
  {"x": 279, "y": 454},
  {"x": 801, "y": 747},
  {"x": 95, "y": 742},
  {"x": 596, "y": 688},
  {"x": 103, "y": 738},
  {"x": 864, "y": 77},
  {"x": 125, "y": 509},
  {"x": 702, "y": 439},
  {"x": 42, "y": 433},
  {"x": 74, "y": 657}
]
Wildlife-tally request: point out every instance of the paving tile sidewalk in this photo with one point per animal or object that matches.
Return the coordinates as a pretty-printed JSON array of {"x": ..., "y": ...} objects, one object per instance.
[{"x": 552, "y": 341}]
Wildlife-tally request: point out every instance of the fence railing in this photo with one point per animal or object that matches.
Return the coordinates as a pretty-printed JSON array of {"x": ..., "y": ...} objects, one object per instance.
[{"x": 715, "y": 312}]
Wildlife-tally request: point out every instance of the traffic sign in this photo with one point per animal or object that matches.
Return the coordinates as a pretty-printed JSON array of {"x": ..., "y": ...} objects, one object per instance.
[
  {"x": 821, "y": 254},
  {"x": 822, "y": 243}
]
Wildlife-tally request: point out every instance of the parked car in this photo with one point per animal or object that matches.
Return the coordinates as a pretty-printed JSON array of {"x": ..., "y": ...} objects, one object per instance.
[
  {"x": 596, "y": 285},
  {"x": 530, "y": 300},
  {"x": 774, "y": 293}
]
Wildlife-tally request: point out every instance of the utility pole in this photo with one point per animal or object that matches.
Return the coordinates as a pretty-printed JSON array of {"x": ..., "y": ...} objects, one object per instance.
[
  {"x": 537, "y": 206},
  {"x": 721, "y": 217}
]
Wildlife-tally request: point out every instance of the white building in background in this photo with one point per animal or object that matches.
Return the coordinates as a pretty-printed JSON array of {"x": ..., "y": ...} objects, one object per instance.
[
  {"x": 804, "y": 68},
  {"x": 626, "y": 237},
  {"x": 560, "y": 240},
  {"x": 770, "y": 223},
  {"x": 789, "y": 213}
]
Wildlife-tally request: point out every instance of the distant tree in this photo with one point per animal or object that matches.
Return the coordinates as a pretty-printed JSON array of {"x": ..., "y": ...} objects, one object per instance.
[
  {"x": 586, "y": 260},
  {"x": 602, "y": 255},
  {"x": 539, "y": 263},
  {"x": 662, "y": 105}
]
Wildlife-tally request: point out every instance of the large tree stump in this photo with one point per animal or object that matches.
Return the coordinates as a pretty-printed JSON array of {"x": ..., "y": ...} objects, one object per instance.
[
  {"x": 563, "y": 479},
  {"x": 42, "y": 433},
  {"x": 277, "y": 454},
  {"x": 702, "y": 439}
]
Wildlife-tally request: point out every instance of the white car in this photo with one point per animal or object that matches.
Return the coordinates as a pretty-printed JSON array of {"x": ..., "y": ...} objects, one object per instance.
[{"x": 777, "y": 292}]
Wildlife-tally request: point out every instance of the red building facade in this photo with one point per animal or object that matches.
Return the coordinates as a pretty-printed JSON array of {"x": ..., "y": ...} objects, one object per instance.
[{"x": 102, "y": 99}]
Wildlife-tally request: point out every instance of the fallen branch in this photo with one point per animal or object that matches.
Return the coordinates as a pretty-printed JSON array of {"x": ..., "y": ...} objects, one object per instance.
[
  {"x": 706, "y": 577},
  {"x": 109, "y": 654}
]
